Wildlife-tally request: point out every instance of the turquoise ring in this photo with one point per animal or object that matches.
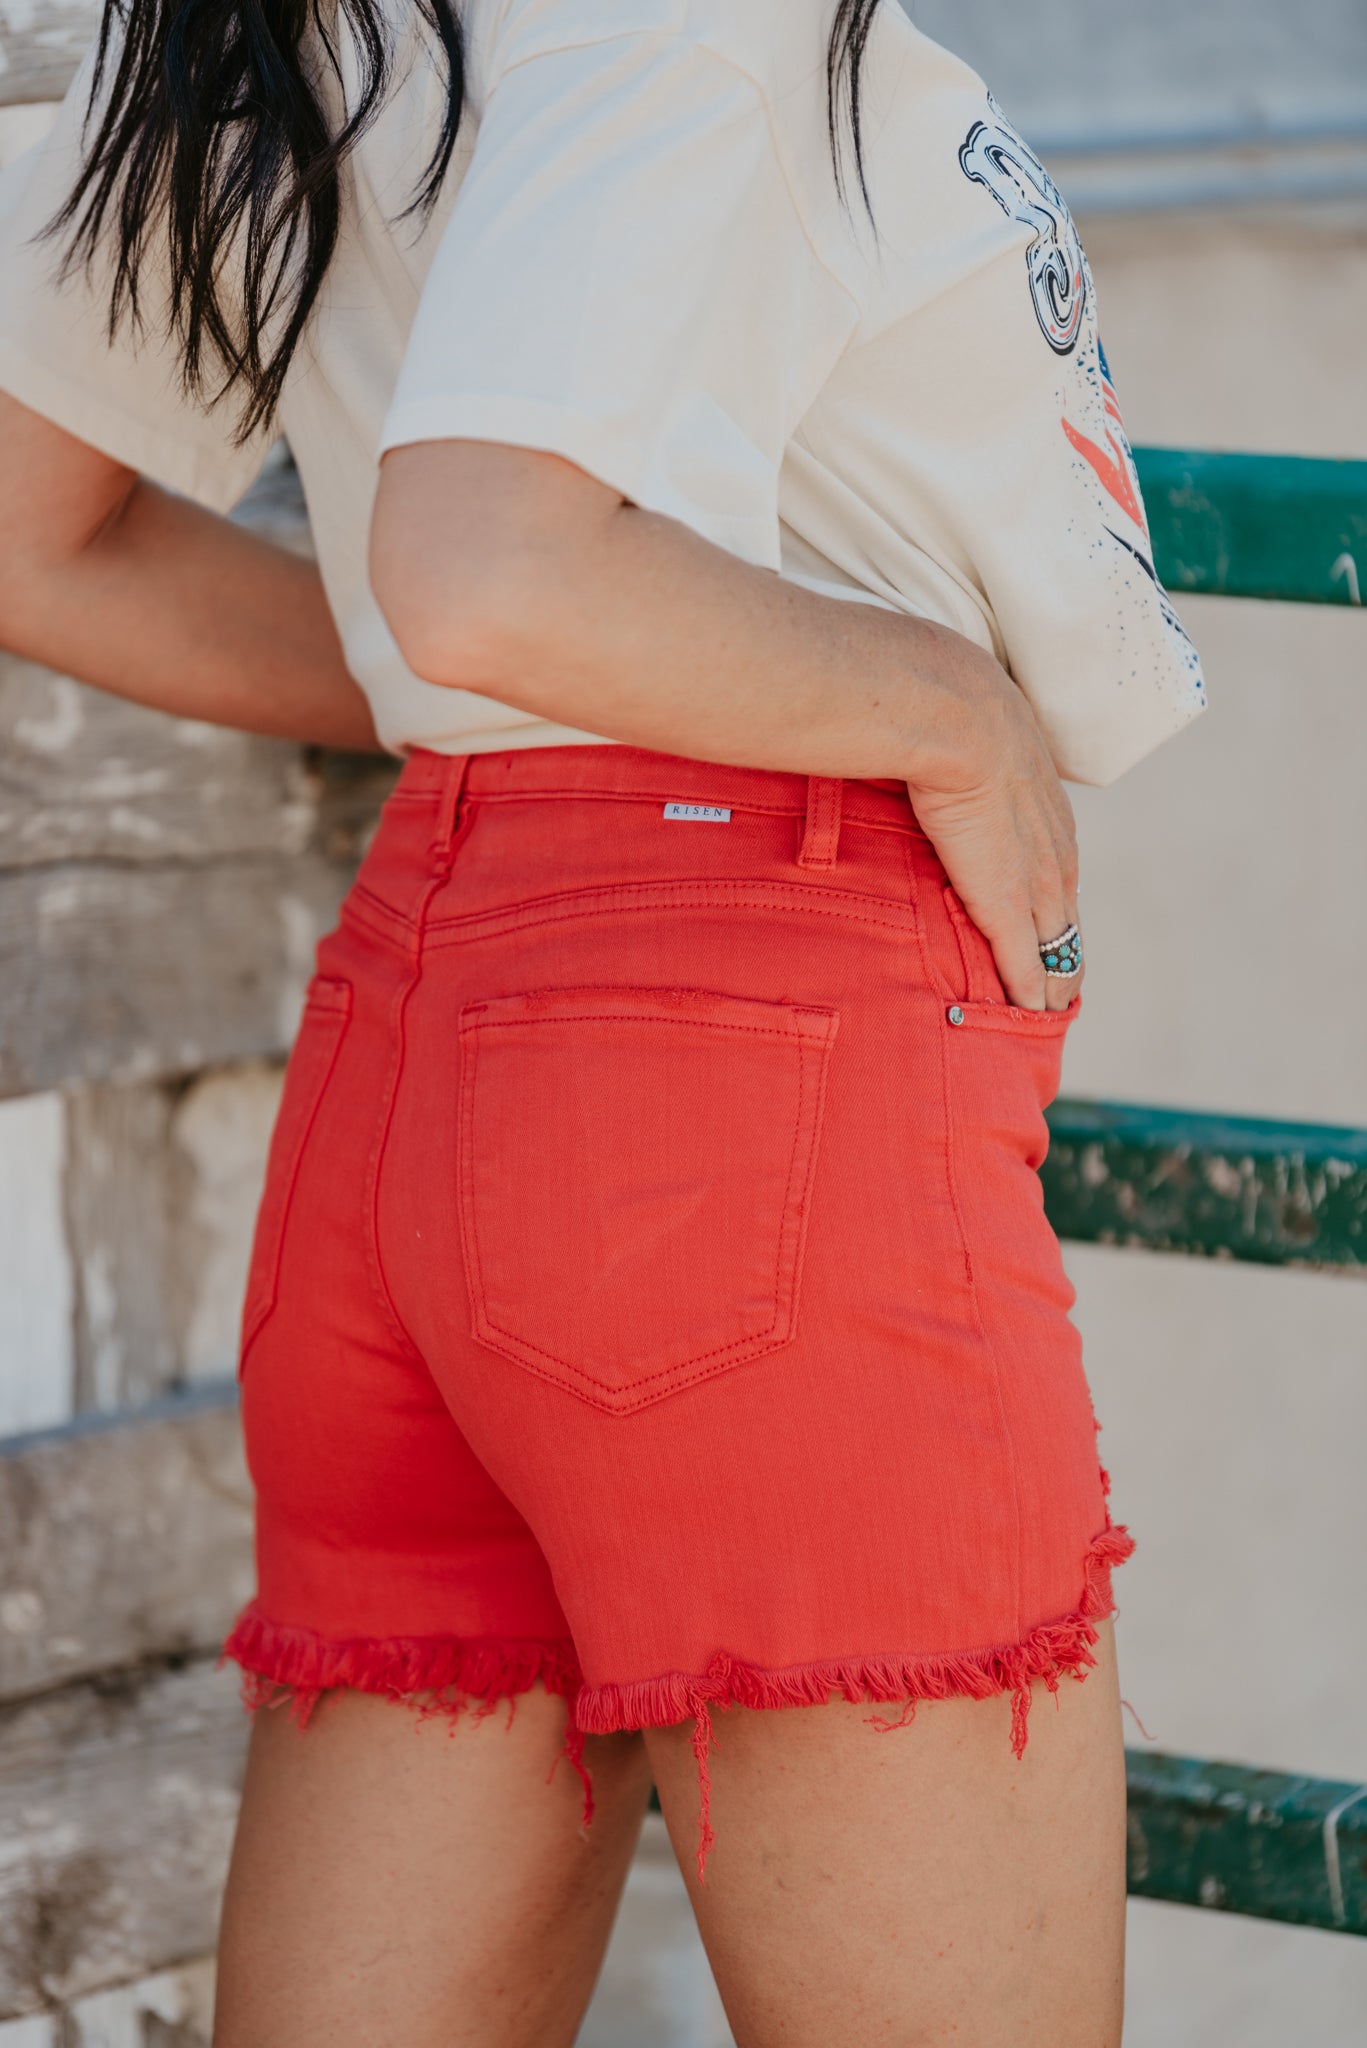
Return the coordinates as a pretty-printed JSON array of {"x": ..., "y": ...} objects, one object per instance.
[{"x": 1063, "y": 956}]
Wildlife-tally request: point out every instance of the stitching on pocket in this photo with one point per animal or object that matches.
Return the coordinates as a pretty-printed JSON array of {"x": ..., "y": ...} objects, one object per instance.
[
  {"x": 801, "y": 898},
  {"x": 930, "y": 965},
  {"x": 1010, "y": 1018},
  {"x": 813, "y": 1048},
  {"x": 327, "y": 1005},
  {"x": 970, "y": 954},
  {"x": 707, "y": 1361},
  {"x": 983, "y": 1013}
]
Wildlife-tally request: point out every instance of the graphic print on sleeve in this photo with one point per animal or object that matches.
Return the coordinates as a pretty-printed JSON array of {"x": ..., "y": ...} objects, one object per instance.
[
  {"x": 1059, "y": 277},
  {"x": 994, "y": 156}
]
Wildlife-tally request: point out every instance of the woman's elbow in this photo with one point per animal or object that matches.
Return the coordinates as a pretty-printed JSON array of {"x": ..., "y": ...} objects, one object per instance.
[
  {"x": 457, "y": 620},
  {"x": 472, "y": 562}
]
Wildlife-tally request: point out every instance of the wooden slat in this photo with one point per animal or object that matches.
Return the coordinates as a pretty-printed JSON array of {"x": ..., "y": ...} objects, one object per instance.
[
  {"x": 162, "y": 883},
  {"x": 134, "y": 967},
  {"x": 173, "y": 2009},
  {"x": 144, "y": 961},
  {"x": 160, "y": 1182},
  {"x": 1271, "y": 526},
  {"x": 122, "y": 1541},
  {"x": 124, "y": 1201},
  {"x": 85, "y": 776},
  {"x": 41, "y": 44},
  {"x": 1219, "y": 1186},
  {"x": 117, "y": 1804},
  {"x": 1248, "y": 1841},
  {"x": 128, "y": 972}
]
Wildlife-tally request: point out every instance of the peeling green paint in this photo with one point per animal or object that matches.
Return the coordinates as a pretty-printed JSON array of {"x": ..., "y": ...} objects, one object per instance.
[
  {"x": 1246, "y": 1841},
  {"x": 1220, "y": 1187},
  {"x": 1272, "y": 526}
]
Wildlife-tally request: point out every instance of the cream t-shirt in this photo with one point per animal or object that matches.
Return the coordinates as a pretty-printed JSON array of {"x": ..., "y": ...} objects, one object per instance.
[{"x": 639, "y": 260}]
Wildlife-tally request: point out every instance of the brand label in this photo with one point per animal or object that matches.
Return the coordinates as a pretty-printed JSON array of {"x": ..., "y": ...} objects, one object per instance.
[{"x": 715, "y": 814}]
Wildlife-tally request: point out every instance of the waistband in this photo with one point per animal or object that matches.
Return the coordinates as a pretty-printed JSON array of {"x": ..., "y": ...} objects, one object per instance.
[{"x": 638, "y": 773}]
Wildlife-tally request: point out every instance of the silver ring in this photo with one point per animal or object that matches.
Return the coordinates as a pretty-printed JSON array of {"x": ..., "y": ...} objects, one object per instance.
[{"x": 1062, "y": 956}]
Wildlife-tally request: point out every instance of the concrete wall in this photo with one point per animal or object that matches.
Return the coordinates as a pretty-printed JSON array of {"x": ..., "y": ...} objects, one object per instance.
[{"x": 1069, "y": 70}]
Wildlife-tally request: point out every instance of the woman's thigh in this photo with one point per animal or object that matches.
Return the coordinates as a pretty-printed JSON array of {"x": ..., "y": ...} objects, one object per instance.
[
  {"x": 916, "y": 1886},
  {"x": 400, "y": 1882}
]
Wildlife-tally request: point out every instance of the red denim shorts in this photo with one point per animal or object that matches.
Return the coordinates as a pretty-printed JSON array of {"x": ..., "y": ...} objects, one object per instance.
[{"x": 652, "y": 1295}]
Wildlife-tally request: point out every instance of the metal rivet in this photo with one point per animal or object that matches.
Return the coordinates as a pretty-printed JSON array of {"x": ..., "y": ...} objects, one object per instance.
[{"x": 955, "y": 1014}]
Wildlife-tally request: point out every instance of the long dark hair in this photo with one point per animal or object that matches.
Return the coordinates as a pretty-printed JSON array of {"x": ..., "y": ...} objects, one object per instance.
[{"x": 214, "y": 131}]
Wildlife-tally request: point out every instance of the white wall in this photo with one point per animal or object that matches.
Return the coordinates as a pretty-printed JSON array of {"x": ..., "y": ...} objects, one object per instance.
[{"x": 1234, "y": 1399}]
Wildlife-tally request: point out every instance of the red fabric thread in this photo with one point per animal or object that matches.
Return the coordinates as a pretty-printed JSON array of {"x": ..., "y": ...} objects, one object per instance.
[
  {"x": 294, "y": 1666},
  {"x": 1133, "y": 1713},
  {"x": 574, "y": 1750},
  {"x": 702, "y": 1742}
]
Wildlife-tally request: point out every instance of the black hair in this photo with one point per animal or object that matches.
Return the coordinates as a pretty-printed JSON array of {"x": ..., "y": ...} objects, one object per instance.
[
  {"x": 212, "y": 128},
  {"x": 844, "y": 104}
]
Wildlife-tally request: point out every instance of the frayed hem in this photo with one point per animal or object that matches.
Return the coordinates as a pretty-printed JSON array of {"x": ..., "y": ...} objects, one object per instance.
[
  {"x": 1055, "y": 1650},
  {"x": 438, "y": 1676},
  {"x": 433, "y": 1675}
]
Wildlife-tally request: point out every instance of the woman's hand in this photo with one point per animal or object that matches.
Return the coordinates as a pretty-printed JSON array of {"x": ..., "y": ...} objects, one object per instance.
[{"x": 998, "y": 816}]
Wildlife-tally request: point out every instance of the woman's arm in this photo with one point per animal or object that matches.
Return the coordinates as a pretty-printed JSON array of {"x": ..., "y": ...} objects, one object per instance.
[
  {"x": 518, "y": 575},
  {"x": 112, "y": 580}
]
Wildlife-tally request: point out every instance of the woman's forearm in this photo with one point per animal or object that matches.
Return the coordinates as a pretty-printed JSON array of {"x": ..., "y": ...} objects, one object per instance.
[
  {"x": 173, "y": 607},
  {"x": 677, "y": 645},
  {"x": 520, "y": 577},
  {"x": 176, "y": 608}
]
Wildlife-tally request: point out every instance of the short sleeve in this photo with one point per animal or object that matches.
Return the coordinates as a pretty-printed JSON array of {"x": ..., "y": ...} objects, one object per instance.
[
  {"x": 625, "y": 279},
  {"x": 123, "y": 397}
]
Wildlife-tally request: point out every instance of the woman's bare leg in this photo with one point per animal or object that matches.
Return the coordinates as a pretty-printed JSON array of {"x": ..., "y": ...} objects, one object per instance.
[
  {"x": 397, "y": 1883},
  {"x": 913, "y": 1887}
]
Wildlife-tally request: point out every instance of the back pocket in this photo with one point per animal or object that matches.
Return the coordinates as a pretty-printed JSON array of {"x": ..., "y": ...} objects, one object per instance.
[
  {"x": 636, "y": 1168},
  {"x": 327, "y": 1008}
]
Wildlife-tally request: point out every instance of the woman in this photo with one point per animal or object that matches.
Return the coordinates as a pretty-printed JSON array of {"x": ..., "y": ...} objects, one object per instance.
[{"x": 721, "y": 502}]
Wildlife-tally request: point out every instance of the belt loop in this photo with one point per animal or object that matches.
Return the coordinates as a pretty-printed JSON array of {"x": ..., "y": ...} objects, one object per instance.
[
  {"x": 821, "y": 837},
  {"x": 448, "y": 812}
]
